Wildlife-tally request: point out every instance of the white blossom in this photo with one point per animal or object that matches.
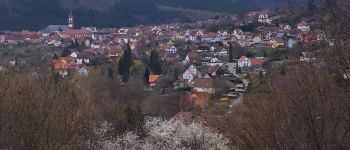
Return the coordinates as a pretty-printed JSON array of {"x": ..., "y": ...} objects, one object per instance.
[{"x": 164, "y": 135}]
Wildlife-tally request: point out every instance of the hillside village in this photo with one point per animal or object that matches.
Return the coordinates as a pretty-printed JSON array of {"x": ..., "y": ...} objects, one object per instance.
[{"x": 210, "y": 66}]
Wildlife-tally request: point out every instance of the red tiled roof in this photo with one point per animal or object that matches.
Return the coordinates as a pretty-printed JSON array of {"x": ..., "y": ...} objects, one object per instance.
[
  {"x": 153, "y": 78},
  {"x": 255, "y": 61}
]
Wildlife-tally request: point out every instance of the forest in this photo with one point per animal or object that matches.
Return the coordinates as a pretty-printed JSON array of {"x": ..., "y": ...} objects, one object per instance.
[{"x": 37, "y": 14}]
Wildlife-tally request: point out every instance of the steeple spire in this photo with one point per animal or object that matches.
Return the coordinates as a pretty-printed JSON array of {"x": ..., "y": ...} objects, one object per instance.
[{"x": 70, "y": 19}]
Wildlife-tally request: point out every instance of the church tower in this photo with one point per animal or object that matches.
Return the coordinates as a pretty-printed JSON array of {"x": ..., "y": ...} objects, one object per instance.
[{"x": 71, "y": 20}]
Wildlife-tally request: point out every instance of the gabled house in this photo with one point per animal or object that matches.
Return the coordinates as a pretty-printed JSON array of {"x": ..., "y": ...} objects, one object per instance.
[
  {"x": 205, "y": 85},
  {"x": 79, "y": 34},
  {"x": 249, "y": 62},
  {"x": 216, "y": 71},
  {"x": 83, "y": 71},
  {"x": 83, "y": 59},
  {"x": 276, "y": 43},
  {"x": 303, "y": 26},
  {"x": 192, "y": 57},
  {"x": 244, "y": 62},
  {"x": 264, "y": 17},
  {"x": 190, "y": 74},
  {"x": 2, "y": 38},
  {"x": 308, "y": 38},
  {"x": 172, "y": 49}
]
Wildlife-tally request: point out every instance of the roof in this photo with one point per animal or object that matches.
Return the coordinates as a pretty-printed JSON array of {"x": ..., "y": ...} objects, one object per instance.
[
  {"x": 153, "y": 78},
  {"x": 63, "y": 63},
  {"x": 77, "y": 31},
  {"x": 204, "y": 83},
  {"x": 213, "y": 69},
  {"x": 54, "y": 28},
  {"x": 256, "y": 61},
  {"x": 242, "y": 58},
  {"x": 303, "y": 23}
]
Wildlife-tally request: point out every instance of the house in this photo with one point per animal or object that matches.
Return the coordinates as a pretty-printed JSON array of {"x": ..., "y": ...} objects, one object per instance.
[
  {"x": 95, "y": 45},
  {"x": 153, "y": 80},
  {"x": 63, "y": 64},
  {"x": 264, "y": 17},
  {"x": 244, "y": 62},
  {"x": 172, "y": 49},
  {"x": 276, "y": 43},
  {"x": 192, "y": 57},
  {"x": 204, "y": 85},
  {"x": 256, "y": 62},
  {"x": 249, "y": 62},
  {"x": 123, "y": 31},
  {"x": 2, "y": 38},
  {"x": 303, "y": 26},
  {"x": 189, "y": 75},
  {"x": 78, "y": 33},
  {"x": 115, "y": 50},
  {"x": 308, "y": 38},
  {"x": 83, "y": 59},
  {"x": 54, "y": 39},
  {"x": 83, "y": 71},
  {"x": 307, "y": 57},
  {"x": 216, "y": 71}
]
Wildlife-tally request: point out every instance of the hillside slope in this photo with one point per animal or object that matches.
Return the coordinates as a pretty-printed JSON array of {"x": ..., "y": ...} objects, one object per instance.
[{"x": 36, "y": 14}]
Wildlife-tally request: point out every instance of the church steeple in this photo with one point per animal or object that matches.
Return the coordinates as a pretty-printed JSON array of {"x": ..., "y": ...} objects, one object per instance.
[{"x": 70, "y": 20}]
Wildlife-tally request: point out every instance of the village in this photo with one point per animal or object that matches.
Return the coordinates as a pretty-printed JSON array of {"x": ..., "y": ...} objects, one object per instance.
[{"x": 211, "y": 66}]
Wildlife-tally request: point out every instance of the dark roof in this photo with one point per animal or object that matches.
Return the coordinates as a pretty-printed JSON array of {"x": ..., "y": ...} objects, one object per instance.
[
  {"x": 204, "y": 83},
  {"x": 54, "y": 28}
]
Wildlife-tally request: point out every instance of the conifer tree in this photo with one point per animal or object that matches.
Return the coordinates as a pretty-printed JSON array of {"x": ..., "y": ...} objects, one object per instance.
[
  {"x": 154, "y": 64},
  {"x": 124, "y": 64}
]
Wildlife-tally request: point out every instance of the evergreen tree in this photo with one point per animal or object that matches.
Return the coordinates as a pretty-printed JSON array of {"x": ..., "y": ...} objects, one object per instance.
[
  {"x": 154, "y": 64},
  {"x": 66, "y": 52},
  {"x": 146, "y": 75},
  {"x": 230, "y": 53},
  {"x": 124, "y": 64},
  {"x": 55, "y": 56}
]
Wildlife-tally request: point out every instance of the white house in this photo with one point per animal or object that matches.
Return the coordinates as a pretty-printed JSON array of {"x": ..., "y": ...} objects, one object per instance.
[
  {"x": 190, "y": 74},
  {"x": 303, "y": 26},
  {"x": 173, "y": 49},
  {"x": 74, "y": 54},
  {"x": 83, "y": 71},
  {"x": 244, "y": 62},
  {"x": 214, "y": 60},
  {"x": 82, "y": 59},
  {"x": 193, "y": 70},
  {"x": 95, "y": 45},
  {"x": 264, "y": 18}
]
